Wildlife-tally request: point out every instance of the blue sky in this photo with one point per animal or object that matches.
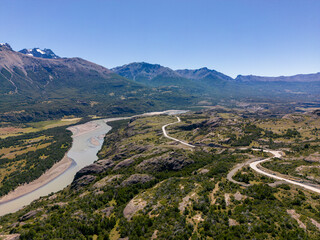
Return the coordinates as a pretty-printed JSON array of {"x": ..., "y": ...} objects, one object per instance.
[{"x": 261, "y": 37}]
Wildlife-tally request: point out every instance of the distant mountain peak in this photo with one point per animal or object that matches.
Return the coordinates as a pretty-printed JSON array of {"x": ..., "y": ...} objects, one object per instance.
[
  {"x": 144, "y": 71},
  {"x": 204, "y": 68},
  {"x": 202, "y": 73},
  {"x": 37, "y": 52},
  {"x": 5, "y": 45}
]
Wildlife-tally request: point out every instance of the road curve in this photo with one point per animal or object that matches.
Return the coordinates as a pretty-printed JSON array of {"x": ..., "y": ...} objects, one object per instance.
[
  {"x": 278, "y": 154},
  {"x": 253, "y": 165},
  {"x": 174, "y": 139},
  {"x": 236, "y": 168}
]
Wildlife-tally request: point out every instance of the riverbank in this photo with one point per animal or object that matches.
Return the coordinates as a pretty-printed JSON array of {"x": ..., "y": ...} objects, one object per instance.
[
  {"x": 83, "y": 128},
  {"x": 54, "y": 172},
  {"x": 87, "y": 141}
]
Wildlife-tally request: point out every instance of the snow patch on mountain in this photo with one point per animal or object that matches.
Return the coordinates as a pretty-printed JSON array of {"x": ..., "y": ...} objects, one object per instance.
[{"x": 37, "y": 52}]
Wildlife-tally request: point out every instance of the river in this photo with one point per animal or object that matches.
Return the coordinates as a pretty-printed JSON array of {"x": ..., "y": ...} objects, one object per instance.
[{"x": 86, "y": 142}]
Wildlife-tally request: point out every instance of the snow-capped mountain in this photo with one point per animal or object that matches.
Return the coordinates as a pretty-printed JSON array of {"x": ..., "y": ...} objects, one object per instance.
[
  {"x": 6, "y": 45},
  {"x": 37, "y": 52}
]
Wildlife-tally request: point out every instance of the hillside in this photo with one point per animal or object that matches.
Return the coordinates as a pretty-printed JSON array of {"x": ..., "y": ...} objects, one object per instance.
[
  {"x": 157, "y": 75},
  {"x": 143, "y": 72},
  {"x": 29, "y": 75},
  {"x": 146, "y": 186},
  {"x": 40, "y": 88}
]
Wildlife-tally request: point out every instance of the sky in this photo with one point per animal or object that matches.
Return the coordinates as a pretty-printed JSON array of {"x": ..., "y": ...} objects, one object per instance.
[{"x": 260, "y": 37}]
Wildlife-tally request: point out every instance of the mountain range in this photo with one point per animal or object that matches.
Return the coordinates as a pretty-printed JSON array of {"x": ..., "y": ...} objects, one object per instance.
[
  {"x": 314, "y": 77},
  {"x": 40, "y": 83},
  {"x": 157, "y": 75}
]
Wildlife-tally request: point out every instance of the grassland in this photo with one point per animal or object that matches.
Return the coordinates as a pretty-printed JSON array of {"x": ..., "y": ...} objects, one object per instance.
[
  {"x": 25, "y": 157},
  {"x": 20, "y": 129},
  {"x": 28, "y": 150}
]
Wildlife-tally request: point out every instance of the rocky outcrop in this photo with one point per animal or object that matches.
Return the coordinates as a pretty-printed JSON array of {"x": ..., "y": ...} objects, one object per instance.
[
  {"x": 295, "y": 118},
  {"x": 28, "y": 215},
  {"x": 124, "y": 163},
  {"x": 137, "y": 178},
  {"x": 214, "y": 121},
  {"x": 10, "y": 237},
  {"x": 95, "y": 168},
  {"x": 211, "y": 123},
  {"x": 169, "y": 161},
  {"x": 129, "y": 150},
  {"x": 106, "y": 180},
  {"x": 83, "y": 181},
  {"x": 135, "y": 205},
  {"x": 225, "y": 141},
  {"x": 189, "y": 127},
  {"x": 316, "y": 112},
  {"x": 313, "y": 157}
]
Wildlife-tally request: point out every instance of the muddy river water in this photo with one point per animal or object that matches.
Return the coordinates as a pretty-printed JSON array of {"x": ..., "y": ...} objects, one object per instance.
[{"x": 87, "y": 141}]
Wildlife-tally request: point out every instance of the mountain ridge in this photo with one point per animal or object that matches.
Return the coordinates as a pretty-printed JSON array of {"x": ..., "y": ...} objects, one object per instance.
[
  {"x": 143, "y": 70},
  {"x": 34, "y": 89},
  {"x": 25, "y": 71},
  {"x": 311, "y": 77},
  {"x": 37, "y": 52},
  {"x": 202, "y": 73},
  {"x": 81, "y": 87},
  {"x": 139, "y": 71}
]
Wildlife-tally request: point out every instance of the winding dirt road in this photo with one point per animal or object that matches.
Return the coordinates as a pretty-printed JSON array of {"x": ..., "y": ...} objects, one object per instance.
[
  {"x": 254, "y": 165},
  {"x": 278, "y": 154},
  {"x": 174, "y": 139}
]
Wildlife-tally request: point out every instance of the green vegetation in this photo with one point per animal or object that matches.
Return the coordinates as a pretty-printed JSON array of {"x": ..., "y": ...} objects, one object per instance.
[
  {"x": 186, "y": 194},
  {"x": 116, "y": 125},
  {"x": 26, "y": 157},
  {"x": 247, "y": 175}
]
